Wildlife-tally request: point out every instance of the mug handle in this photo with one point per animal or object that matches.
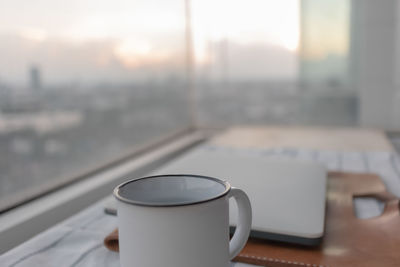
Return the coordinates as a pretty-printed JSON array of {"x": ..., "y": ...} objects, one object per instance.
[{"x": 243, "y": 227}]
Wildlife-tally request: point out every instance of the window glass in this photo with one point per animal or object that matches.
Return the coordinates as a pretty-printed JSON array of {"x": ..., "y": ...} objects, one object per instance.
[
  {"x": 327, "y": 95},
  {"x": 279, "y": 62},
  {"x": 83, "y": 83},
  {"x": 246, "y": 55},
  {"x": 324, "y": 43},
  {"x": 299, "y": 62}
]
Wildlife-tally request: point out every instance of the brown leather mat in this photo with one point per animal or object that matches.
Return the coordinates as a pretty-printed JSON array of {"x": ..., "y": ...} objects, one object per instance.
[{"x": 348, "y": 241}]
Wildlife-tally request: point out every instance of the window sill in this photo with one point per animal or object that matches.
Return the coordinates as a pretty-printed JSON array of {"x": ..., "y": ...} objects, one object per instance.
[{"x": 25, "y": 221}]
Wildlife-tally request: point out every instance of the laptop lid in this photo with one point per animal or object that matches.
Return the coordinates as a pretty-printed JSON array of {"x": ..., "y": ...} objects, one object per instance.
[{"x": 287, "y": 196}]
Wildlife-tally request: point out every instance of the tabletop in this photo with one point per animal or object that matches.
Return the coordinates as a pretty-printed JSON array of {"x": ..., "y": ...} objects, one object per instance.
[
  {"x": 318, "y": 138},
  {"x": 78, "y": 241}
]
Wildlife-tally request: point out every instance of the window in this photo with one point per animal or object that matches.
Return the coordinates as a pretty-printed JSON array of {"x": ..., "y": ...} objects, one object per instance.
[
  {"x": 83, "y": 83},
  {"x": 273, "y": 62},
  {"x": 246, "y": 60},
  {"x": 305, "y": 62}
]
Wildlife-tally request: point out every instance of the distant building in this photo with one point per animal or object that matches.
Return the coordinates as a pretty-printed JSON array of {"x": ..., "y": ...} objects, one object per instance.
[{"x": 35, "y": 82}]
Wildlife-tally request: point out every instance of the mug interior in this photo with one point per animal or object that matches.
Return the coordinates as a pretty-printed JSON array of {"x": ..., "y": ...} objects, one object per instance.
[{"x": 171, "y": 190}]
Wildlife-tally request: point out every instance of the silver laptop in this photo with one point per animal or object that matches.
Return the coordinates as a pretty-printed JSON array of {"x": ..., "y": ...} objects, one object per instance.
[{"x": 287, "y": 196}]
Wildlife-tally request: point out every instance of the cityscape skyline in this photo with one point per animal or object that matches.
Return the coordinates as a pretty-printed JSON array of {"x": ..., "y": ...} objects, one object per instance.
[{"x": 63, "y": 62}]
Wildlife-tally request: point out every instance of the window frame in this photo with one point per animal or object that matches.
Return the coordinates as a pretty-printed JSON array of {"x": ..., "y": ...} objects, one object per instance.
[{"x": 26, "y": 196}]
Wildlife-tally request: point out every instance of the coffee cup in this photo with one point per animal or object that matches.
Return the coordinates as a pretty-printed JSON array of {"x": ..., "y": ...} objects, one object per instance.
[{"x": 179, "y": 220}]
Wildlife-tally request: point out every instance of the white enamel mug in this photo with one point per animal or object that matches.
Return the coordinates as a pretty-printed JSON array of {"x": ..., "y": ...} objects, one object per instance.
[{"x": 179, "y": 221}]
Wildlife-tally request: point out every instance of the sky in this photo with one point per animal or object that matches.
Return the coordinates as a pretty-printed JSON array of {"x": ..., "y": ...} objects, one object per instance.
[
  {"x": 332, "y": 33},
  {"x": 90, "y": 40}
]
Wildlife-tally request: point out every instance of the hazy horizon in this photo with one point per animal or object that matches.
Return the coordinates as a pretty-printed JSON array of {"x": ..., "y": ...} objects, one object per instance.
[{"x": 88, "y": 41}]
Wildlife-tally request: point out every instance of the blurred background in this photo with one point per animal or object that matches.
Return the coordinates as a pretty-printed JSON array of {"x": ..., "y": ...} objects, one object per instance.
[{"x": 84, "y": 83}]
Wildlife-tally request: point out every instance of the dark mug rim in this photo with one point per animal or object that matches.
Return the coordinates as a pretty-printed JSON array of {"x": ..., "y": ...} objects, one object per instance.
[{"x": 118, "y": 196}]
